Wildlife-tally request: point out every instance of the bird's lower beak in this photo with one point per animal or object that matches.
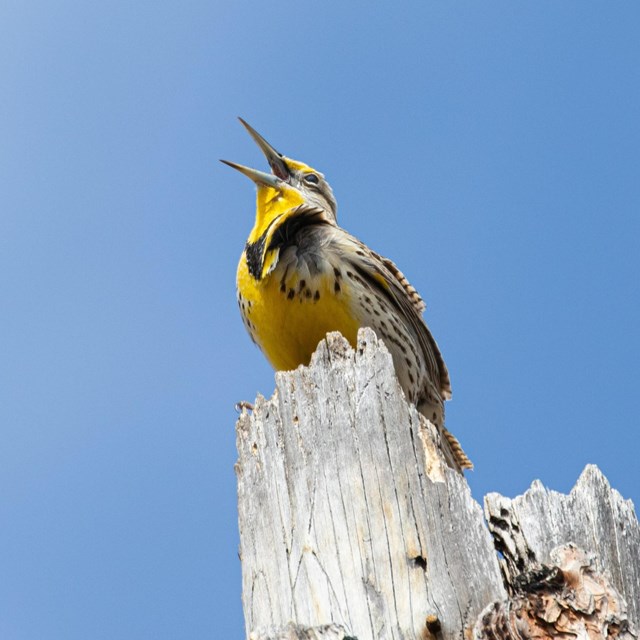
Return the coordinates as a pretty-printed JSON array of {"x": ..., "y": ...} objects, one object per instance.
[
  {"x": 274, "y": 158},
  {"x": 259, "y": 177}
]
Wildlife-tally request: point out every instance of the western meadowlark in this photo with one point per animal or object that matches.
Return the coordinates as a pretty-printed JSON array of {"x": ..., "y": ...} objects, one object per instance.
[{"x": 301, "y": 276}]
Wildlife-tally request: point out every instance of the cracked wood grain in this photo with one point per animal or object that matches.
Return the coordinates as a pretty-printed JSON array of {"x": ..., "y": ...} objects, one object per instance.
[
  {"x": 352, "y": 527},
  {"x": 348, "y": 514}
]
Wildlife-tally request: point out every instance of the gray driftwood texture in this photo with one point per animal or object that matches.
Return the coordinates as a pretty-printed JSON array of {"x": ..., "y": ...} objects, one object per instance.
[
  {"x": 352, "y": 526},
  {"x": 593, "y": 516}
]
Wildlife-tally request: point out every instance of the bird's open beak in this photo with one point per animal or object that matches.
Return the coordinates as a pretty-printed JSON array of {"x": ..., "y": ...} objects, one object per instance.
[
  {"x": 274, "y": 158},
  {"x": 259, "y": 177}
]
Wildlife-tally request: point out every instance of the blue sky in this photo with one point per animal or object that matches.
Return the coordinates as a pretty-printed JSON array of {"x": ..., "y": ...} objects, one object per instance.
[{"x": 491, "y": 149}]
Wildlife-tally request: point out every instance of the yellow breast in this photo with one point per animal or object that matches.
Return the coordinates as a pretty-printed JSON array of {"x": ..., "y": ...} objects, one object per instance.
[{"x": 288, "y": 318}]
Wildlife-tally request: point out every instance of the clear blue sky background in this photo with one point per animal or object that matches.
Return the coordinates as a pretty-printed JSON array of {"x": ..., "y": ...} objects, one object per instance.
[{"x": 490, "y": 148}]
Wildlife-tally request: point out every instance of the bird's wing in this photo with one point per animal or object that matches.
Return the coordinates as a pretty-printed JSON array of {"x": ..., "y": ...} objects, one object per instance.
[
  {"x": 384, "y": 276},
  {"x": 416, "y": 299}
]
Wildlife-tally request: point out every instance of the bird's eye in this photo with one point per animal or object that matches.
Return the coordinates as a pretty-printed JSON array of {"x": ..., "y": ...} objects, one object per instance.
[{"x": 311, "y": 178}]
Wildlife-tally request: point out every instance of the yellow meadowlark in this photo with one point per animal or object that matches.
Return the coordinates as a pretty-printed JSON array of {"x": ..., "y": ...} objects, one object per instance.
[{"x": 301, "y": 276}]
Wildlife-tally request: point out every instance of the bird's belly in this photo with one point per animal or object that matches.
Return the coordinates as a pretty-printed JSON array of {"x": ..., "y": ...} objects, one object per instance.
[{"x": 287, "y": 322}]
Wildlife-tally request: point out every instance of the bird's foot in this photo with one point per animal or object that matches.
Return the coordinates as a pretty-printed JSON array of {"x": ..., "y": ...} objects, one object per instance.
[{"x": 243, "y": 406}]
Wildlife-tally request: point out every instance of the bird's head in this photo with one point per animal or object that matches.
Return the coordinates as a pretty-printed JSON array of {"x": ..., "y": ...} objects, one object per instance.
[{"x": 290, "y": 184}]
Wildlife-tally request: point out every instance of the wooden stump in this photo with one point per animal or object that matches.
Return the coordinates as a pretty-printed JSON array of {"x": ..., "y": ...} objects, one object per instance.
[{"x": 351, "y": 523}]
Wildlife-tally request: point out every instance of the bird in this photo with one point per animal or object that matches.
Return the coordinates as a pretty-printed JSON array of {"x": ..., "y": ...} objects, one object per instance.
[{"x": 301, "y": 276}]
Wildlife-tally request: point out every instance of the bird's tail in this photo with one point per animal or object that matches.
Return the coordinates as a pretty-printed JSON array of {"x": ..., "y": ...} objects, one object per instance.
[
  {"x": 460, "y": 457},
  {"x": 452, "y": 449}
]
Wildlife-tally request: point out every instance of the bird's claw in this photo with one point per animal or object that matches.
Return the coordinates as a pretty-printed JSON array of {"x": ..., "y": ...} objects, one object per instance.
[{"x": 242, "y": 406}]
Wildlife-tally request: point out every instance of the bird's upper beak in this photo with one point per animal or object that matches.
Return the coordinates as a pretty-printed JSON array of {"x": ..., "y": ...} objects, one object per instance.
[
  {"x": 280, "y": 171},
  {"x": 274, "y": 158}
]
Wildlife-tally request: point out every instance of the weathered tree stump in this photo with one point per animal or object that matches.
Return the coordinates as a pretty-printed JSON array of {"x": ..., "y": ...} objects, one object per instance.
[{"x": 353, "y": 526}]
